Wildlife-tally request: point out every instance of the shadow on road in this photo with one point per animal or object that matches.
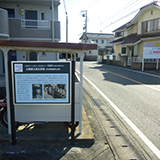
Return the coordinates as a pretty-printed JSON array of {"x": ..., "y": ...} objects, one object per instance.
[{"x": 125, "y": 76}]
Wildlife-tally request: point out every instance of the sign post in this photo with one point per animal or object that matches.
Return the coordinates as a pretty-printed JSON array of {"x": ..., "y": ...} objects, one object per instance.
[
  {"x": 73, "y": 103},
  {"x": 12, "y": 118}
]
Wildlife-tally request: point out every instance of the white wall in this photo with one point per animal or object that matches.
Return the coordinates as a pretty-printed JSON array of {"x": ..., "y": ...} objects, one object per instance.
[
  {"x": 21, "y": 56},
  {"x": 48, "y": 56}
]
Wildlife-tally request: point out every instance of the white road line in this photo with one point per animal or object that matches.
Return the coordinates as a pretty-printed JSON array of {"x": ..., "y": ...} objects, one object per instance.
[
  {"x": 140, "y": 134},
  {"x": 152, "y": 87}
]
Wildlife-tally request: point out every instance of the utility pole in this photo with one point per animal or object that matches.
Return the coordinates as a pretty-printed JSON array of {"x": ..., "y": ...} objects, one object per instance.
[
  {"x": 66, "y": 28},
  {"x": 84, "y": 14},
  {"x": 66, "y": 21}
]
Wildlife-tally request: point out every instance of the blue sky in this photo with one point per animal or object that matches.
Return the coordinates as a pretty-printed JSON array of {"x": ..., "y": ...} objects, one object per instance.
[{"x": 103, "y": 16}]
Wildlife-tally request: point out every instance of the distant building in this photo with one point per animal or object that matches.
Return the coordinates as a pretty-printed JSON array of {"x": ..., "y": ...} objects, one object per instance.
[
  {"x": 101, "y": 39},
  {"x": 29, "y": 20}
]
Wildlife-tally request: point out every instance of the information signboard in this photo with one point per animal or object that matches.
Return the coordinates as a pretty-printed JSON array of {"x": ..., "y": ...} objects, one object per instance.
[
  {"x": 151, "y": 51},
  {"x": 41, "y": 82}
]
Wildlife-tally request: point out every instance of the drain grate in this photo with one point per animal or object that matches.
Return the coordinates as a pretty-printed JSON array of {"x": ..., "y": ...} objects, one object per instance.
[{"x": 96, "y": 102}]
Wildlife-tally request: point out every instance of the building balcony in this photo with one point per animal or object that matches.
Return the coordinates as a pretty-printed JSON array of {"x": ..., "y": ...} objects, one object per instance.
[
  {"x": 40, "y": 30},
  {"x": 4, "y": 27}
]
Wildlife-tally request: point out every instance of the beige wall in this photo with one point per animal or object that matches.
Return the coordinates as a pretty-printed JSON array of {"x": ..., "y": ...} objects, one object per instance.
[
  {"x": 117, "y": 49},
  {"x": 148, "y": 16},
  {"x": 133, "y": 29}
]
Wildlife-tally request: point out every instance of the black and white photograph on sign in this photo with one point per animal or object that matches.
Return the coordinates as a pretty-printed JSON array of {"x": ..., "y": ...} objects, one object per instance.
[
  {"x": 52, "y": 91},
  {"x": 37, "y": 91}
]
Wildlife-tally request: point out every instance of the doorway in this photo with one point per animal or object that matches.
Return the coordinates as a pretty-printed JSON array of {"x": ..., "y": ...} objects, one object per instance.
[{"x": 31, "y": 19}]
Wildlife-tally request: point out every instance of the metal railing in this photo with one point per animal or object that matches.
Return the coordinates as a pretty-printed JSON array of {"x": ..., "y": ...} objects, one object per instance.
[
  {"x": 137, "y": 59},
  {"x": 35, "y": 24}
]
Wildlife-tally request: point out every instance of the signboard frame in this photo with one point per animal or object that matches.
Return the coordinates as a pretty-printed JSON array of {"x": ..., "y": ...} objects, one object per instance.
[{"x": 41, "y": 82}]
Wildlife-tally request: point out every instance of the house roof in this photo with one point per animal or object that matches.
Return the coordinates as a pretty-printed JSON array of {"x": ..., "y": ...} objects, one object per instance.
[
  {"x": 118, "y": 40},
  {"x": 123, "y": 27},
  {"x": 132, "y": 39},
  {"x": 141, "y": 11},
  {"x": 97, "y": 35}
]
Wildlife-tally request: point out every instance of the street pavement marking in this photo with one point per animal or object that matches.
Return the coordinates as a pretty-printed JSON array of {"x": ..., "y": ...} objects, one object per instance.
[
  {"x": 122, "y": 76},
  {"x": 130, "y": 79},
  {"x": 139, "y": 133}
]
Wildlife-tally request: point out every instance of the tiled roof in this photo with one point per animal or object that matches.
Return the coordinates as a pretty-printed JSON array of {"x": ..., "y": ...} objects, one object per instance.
[
  {"x": 133, "y": 38},
  {"x": 118, "y": 40}
]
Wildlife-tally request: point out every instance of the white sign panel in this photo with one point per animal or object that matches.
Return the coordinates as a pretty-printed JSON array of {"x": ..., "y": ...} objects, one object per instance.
[{"x": 151, "y": 51}]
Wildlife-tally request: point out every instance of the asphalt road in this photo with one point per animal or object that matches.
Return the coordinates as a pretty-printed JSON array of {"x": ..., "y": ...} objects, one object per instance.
[{"x": 136, "y": 94}]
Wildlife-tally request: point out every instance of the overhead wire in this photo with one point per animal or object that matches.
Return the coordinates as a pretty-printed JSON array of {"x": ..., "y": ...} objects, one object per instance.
[
  {"x": 118, "y": 11},
  {"x": 92, "y": 4},
  {"x": 122, "y": 17}
]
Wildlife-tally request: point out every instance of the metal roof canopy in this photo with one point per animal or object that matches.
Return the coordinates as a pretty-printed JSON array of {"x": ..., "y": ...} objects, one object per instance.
[{"x": 30, "y": 46}]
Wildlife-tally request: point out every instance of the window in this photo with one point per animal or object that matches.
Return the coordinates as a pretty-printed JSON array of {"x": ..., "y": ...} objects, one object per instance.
[
  {"x": 155, "y": 24},
  {"x": 119, "y": 34},
  {"x": 102, "y": 41},
  {"x": 151, "y": 25},
  {"x": 11, "y": 13},
  {"x": 90, "y": 52},
  {"x": 144, "y": 27},
  {"x": 124, "y": 50},
  {"x": 96, "y": 40},
  {"x": 42, "y": 15}
]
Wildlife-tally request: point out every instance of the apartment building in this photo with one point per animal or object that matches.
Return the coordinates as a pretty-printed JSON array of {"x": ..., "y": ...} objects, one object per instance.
[
  {"x": 101, "y": 39},
  {"x": 137, "y": 43},
  {"x": 29, "y": 20}
]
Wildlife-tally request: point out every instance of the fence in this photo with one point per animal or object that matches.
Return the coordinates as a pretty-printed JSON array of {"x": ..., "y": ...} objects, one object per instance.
[{"x": 36, "y": 24}]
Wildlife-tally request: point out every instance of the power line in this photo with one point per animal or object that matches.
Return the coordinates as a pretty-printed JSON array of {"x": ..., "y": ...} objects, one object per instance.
[
  {"x": 119, "y": 12},
  {"x": 94, "y": 4},
  {"x": 91, "y": 4},
  {"x": 120, "y": 19}
]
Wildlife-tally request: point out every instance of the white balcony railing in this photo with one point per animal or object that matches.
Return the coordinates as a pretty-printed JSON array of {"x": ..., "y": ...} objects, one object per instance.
[{"x": 35, "y": 24}]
